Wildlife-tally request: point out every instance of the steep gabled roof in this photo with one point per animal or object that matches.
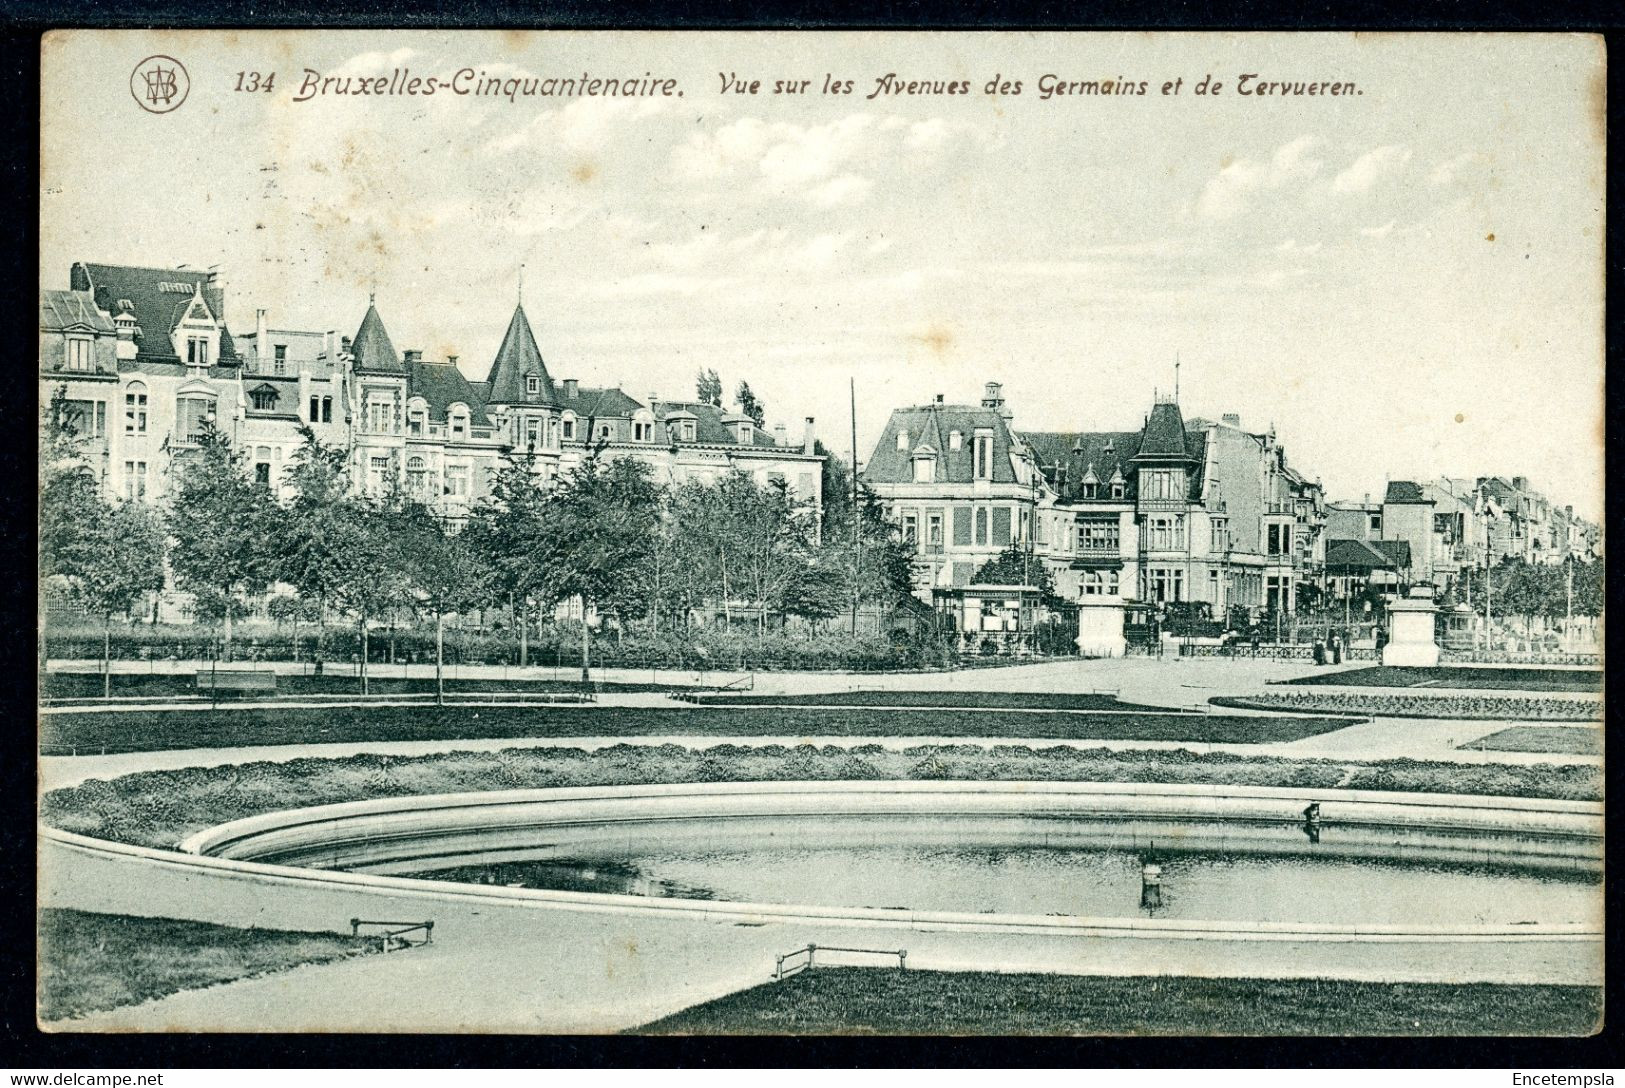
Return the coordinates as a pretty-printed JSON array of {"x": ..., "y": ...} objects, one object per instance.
[
  {"x": 517, "y": 359},
  {"x": 1405, "y": 491},
  {"x": 61, "y": 310},
  {"x": 598, "y": 403},
  {"x": 442, "y": 385},
  {"x": 1398, "y": 552},
  {"x": 1164, "y": 435},
  {"x": 709, "y": 429},
  {"x": 372, "y": 349},
  {"x": 933, "y": 424},
  {"x": 158, "y": 298}
]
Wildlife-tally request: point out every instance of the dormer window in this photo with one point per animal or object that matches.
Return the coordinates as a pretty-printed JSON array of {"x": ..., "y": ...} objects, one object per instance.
[
  {"x": 984, "y": 455},
  {"x": 569, "y": 425},
  {"x": 743, "y": 432},
  {"x": 264, "y": 399},
  {"x": 925, "y": 467},
  {"x": 643, "y": 432},
  {"x": 956, "y": 441},
  {"x": 197, "y": 351},
  {"x": 81, "y": 353},
  {"x": 279, "y": 365},
  {"x": 902, "y": 441},
  {"x": 459, "y": 423},
  {"x": 1117, "y": 490},
  {"x": 414, "y": 421},
  {"x": 533, "y": 385}
]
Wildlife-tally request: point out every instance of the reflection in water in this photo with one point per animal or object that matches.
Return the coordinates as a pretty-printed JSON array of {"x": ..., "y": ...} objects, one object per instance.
[{"x": 1168, "y": 882}]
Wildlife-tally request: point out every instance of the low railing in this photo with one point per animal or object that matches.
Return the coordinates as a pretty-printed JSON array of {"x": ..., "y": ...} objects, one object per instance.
[
  {"x": 395, "y": 936},
  {"x": 804, "y": 959}
]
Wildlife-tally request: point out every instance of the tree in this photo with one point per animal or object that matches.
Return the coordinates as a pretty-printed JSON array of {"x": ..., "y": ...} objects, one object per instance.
[
  {"x": 877, "y": 567},
  {"x": 505, "y": 531},
  {"x": 749, "y": 404},
  {"x": 123, "y": 561},
  {"x": 764, "y": 539},
  {"x": 708, "y": 388},
  {"x": 367, "y": 539},
  {"x": 600, "y": 527},
  {"x": 443, "y": 571},
  {"x": 1014, "y": 567},
  {"x": 69, "y": 501},
  {"x": 307, "y": 555},
  {"x": 223, "y": 526}
]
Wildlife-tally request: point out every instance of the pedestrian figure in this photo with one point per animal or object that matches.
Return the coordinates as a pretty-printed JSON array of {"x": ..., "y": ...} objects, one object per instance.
[
  {"x": 1311, "y": 814},
  {"x": 1337, "y": 648}
]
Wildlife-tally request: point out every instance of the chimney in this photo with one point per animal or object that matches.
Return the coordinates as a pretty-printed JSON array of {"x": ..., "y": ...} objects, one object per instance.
[
  {"x": 778, "y": 434},
  {"x": 414, "y": 355},
  {"x": 572, "y": 388},
  {"x": 451, "y": 360},
  {"x": 1231, "y": 419},
  {"x": 939, "y": 398},
  {"x": 262, "y": 337},
  {"x": 1367, "y": 500},
  {"x": 993, "y": 395},
  {"x": 344, "y": 345},
  {"x": 654, "y": 402},
  {"x": 808, "y": 437},
  {"x": 214, "y": 292}
]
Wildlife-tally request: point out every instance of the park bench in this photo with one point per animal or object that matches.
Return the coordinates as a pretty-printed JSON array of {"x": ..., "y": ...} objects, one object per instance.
[{"x": 218, "y": 680}]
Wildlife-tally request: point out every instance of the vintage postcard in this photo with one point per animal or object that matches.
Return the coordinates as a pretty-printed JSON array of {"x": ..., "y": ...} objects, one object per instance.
[{"x": 821, "y": 533}]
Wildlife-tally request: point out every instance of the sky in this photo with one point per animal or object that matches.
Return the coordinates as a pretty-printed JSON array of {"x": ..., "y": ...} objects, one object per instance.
[{"x": 1404, "y": 282}]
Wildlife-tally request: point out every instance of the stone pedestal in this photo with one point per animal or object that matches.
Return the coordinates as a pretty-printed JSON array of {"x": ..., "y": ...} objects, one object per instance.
[
  {"x": 1100, "y": 627},
  {"x": 1410, "y": 633}
]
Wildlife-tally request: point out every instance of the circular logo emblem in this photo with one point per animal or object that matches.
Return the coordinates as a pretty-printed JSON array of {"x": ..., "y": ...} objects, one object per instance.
[{"x": 159, "y": 84}]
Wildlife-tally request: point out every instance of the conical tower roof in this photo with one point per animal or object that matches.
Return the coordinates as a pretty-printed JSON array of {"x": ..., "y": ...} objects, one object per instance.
[
  {"x": 371, "y": 347},
  {"x": 517, "y": 359},
  {"x": 1164, "y": 434}
]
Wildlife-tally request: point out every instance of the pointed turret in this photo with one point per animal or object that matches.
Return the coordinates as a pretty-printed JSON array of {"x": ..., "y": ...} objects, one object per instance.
[
  {"x": 1164, "y": 435},
  {"x": 518, "y": 362},
  {"x": 373, "y": 352}
]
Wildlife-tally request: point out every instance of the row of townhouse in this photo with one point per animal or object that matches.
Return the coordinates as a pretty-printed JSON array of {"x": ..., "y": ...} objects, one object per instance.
[
  {"x": 1431, "y": 531},
  {"x": 1176, "y": 511},
  {"x": 139, "y": 359}
]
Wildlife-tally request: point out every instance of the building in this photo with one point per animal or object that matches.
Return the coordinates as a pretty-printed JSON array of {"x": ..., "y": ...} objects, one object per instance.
[
  {"x": 1171, "y": 512},
  {"x": 139, "y": 358}
]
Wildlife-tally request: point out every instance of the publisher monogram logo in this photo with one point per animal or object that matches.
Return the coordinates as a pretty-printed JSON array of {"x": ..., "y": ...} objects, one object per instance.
[{"x": 160, "y": 84}]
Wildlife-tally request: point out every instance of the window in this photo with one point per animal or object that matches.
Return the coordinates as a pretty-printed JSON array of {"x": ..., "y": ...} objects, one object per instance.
[
  {"x": 1001, "y": 525},
  {"x": 414, "y": 421},
  {"x": 1162, "y": 484},
  {"x": 956, "y": 441},
  {"x": 606, "y": 431},
  {"x": 1089, "y": 490},
  {"x": 925, "y": 469},
  {"x": 1098, "y": 583},
  {"x": 981, "y": 525},
  {"x": 378, "y": 415},
  {"x": 190, "y": 415},
  {"x": 315, "y": 409},
  {"x": 643, "y": 432},
  {"x": 280, "y": 364},
  {"x": 377, "y": 474},
  {"x": 533, "y": 385},
  {"x": 902, "y": 441},
  {"x": 1164, "y": 533},
  {"x": 1117, "y": 490},
  {"x": 1376, "y": 525},
  {"x": 533, "y": 432},
  {"x": 686, "y": 430},
  {"x": 911, "y": 527},
  {"x": 962, "y": 525},
  {"x": 264, "y": 400},
  {"x": 1099, "y": 535},
  {"x": 262, "y": 466},
  {"x": 1221, "y": 534},
  {"x": 81, "y": 353},
  {"x": 417, "y": 471},
  {"x": 569, "y": 423},
  {"x": 457, "y": 480},
  {"x": 459, "y": 424},
  {"x": 135, "y": 480},
  {"x": 933, "y": 530},
  {"x": 1167, "y": 584},
  {"x": 197, "y": 350},
  {"x": 1279, "y": 540},
  {"x": 327, "y": 409},
  {"x": 135, "y": 409},
  {"x": 984, "y": 456}
]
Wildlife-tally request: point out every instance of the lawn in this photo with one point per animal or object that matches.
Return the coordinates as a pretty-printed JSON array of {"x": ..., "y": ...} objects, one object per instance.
[
  {"x": 1451, "y": 676},
  {"x": 90, "y": 962},
  {"x": 159, "y": 808},
  {"x": 871, "y": 1001},
  {"x": 83, "y": 685},
  {"x": 1530, "y": 708},
  {"x": 1564, "y": 739},
  {"x": 986, "y": 700},
  {"x": 155, "y": 730}
]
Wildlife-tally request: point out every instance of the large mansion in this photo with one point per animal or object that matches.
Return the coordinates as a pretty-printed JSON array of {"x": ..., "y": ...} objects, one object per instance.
[{"x": 140, "y": 358}]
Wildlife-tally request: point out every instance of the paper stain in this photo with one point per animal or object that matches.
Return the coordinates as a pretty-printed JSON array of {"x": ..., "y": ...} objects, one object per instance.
[{"x": 937, "y": 339}]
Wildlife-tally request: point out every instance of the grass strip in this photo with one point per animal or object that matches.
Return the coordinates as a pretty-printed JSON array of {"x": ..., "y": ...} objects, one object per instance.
[
  {"x": 1444, "y": 705},
  {"x": 1449, "y": 676},
  {"x": 1558, "y": 739},
  {"x": 873, "y": 1001},
  {"x": 90, "y": 962},
  {"x": 157, "y": 730},
  {"x": 159, "y": 808}
]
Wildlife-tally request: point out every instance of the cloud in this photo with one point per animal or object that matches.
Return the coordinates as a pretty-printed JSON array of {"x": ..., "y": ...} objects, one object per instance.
[
  {"x": 1371, "y": 168},
  {"x": 1379, "y": 232},
  {"x": 1291, "y": 246},
  {"x": 1448, "y": 171},
  {"x": 1232, "y": 190}
]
